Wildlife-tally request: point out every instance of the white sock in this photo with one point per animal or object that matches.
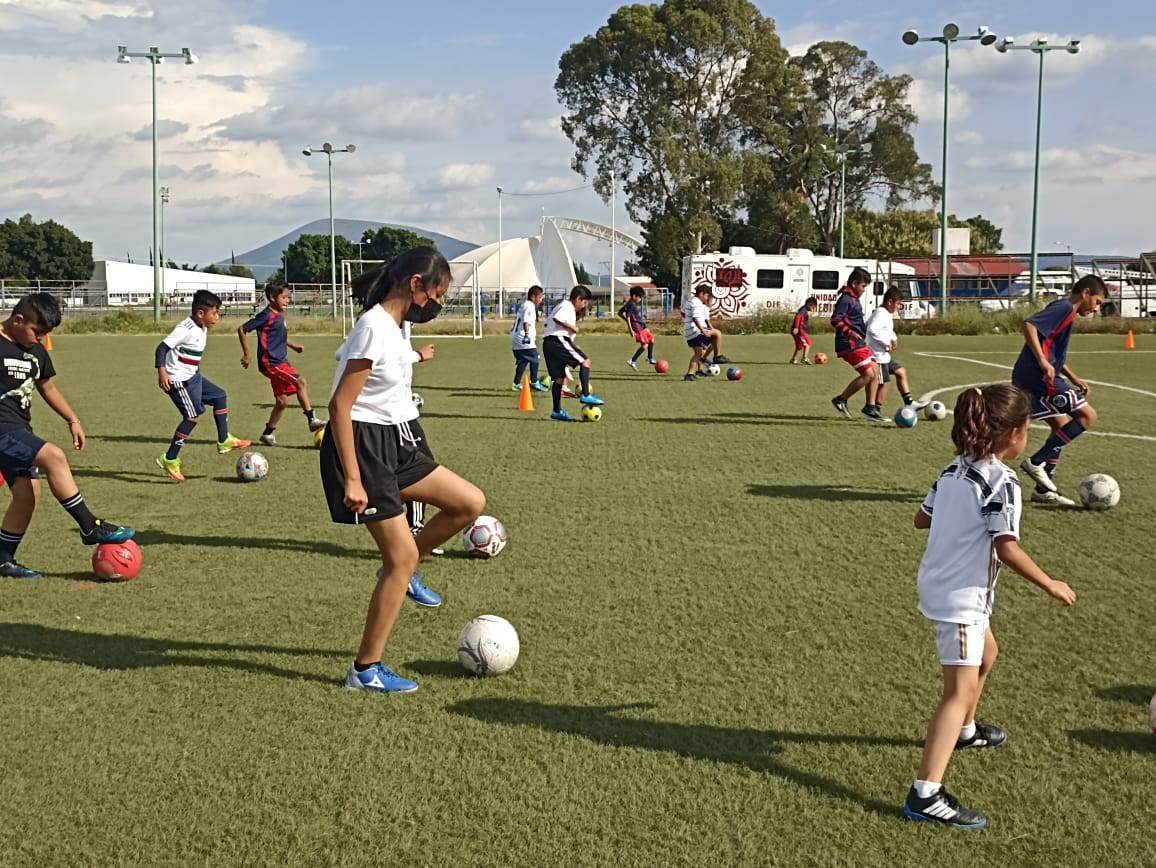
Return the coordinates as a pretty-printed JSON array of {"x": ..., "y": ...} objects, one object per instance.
[
  {"x": 926, "y": 789},
  {"x": 968, "y": 731}
]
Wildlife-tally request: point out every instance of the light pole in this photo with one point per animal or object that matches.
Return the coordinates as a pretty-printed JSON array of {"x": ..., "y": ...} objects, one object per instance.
[
  {"x": 164, "y": 201},
  {"x": 950, "y": 35},
  {"x": 500, "y": 284},
  {"x": 841, "y": 155},
  {"x": 1039, "y": 46},
  {"x": 154, "y": 56},
  {"x": 329, "y": 151}
]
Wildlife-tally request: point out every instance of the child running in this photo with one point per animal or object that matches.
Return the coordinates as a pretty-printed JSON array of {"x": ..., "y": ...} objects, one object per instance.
[
  {"x": 272, "y": 341},
  {"x": 371, "y": 454},
  {"x": 26, "y": 366},
  {"x": 973, "y": 511},
  {"x": 700, "y": 336},
  {"x": 882, "y": 340},
  {"x": 561, "y": 352},
  {"x": 851, "y": 346},
  {"x": 523, "y": 340},
  {"x": 1040, "y": 371},
  {"x": 799, "y": 331},
  {"x": 635, "y": 319},
  {"x": 178, "y": 364}
]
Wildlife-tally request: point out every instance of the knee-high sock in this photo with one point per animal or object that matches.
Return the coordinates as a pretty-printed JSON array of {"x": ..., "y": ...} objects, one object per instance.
[
  {"x": 184, "y": 430},
  {"x": 221, "y": 417},
  {"x": 556, "y": 393},
  {"x": 584, "y": 376}
]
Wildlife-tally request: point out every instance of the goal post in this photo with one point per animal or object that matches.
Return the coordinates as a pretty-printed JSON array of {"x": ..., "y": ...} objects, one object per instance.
[{"x": 462, "y": 310}]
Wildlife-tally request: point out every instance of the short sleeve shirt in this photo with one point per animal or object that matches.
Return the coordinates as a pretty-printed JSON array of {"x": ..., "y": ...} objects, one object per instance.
[
  {"x": 387, "y": 396},
  {"x": 20, "y": 370},
  {"x": 186, "y": 343},
  {"x": 1054, "y": 325},
  {"x": 272, "y": 338},
  {"x": 880, "y": 334},
  {"x": 971, "y": 505},
  {"x": 694, "y": 309},
  {"x": 564, "y": 312},
  {"x": 527, "y": 315}
]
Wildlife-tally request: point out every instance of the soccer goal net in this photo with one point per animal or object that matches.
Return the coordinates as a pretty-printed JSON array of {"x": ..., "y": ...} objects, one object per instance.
[{"x": 462, "y": 311}]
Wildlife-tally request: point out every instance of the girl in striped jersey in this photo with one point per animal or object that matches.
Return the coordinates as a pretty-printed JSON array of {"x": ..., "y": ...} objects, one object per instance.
[{"x": 973, "y": 513}]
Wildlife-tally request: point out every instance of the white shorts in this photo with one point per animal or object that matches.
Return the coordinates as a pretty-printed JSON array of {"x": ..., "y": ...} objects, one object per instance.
[{"x": 959, "y": 644}]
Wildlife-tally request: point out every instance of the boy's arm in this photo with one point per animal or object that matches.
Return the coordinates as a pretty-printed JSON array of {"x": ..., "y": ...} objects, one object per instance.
[
  {"x": 55, "y": 400},
  {"x": 245, "y": 359},
  {"x": 567, "y": 326},
  {"x": 1081, "y": 386},
  {"x": 922, "y": 519},
  {"x": 297, "y": 348},
  {"x": 1007, "y": 549},
  {"x": 704, "y": 327},
  {"x": 1032, "y": 339},
  {"x": 159, "y": 363}
]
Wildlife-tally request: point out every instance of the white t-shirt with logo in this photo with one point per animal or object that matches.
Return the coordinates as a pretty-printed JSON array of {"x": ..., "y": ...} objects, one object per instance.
[
  {"x": 387, "y": 396},
  {"x": 971, "y": 505},
  {"x": 880, "y": 334},
  {"x": 693, "y": 309},
  {"x": 527, "y": 314},
  {"x": 186, "y": 343},
  {"x": 564, "y": 312}
]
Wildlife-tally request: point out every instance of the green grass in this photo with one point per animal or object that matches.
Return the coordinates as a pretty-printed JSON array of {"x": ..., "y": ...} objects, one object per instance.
[{"x": 722, "y": 662}]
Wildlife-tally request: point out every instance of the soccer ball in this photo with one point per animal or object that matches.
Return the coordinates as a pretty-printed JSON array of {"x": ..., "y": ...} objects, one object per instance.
[
  {"x": 661, "y": 366},
  {"x": 905, "y": 417},
  {"x": 935, "y": 412},
  {"x": 734, "y": 374},
  {"x": 485, "y": 538},
  {"x": 488, "y": 645},
  {"x": 318, "y": 436},
  {"x": 117, "y": 562},
  {"x": 418, "y": 400},
  {"x": 1099, "y": 492},
  {"x": 252, "y": 467},
  {"x": 820, "y": 358},
  {"x": 591, "y": 413},
  {"x": 713, "y": 370}
]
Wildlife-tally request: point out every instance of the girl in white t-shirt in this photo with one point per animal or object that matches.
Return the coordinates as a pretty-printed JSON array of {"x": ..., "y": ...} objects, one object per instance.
[
  {"x": 973, "y": 512},
  {"x": 371, "y": 456}
]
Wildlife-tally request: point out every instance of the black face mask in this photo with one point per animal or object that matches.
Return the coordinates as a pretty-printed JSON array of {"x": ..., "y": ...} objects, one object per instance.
[{"x": 418, "y": 314}]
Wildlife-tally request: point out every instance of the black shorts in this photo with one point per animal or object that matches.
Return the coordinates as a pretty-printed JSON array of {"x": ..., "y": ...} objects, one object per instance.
[
  {"x": 559, "y": 354},
  {"x": 388, "y": 461},
  {"x": 18, "y": 451},
  {"x": 888, "y": 369},
  {"x": 699, "y": 341}
]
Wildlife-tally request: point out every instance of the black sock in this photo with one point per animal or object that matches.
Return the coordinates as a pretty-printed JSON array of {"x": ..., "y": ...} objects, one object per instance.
[
  {"x": 556, "y": 392},
  {"x": 361, "y": 667},
  {"x": 80, "y": 512},
  {"x": 638, "y": 353},
  {"x": 584, "y": 377},
  {"x": 907, "y": 399},
  {"x": 269, "y": 429},
  {"x": 9, "y": 542},
  {"x": 308, "y": 415}
]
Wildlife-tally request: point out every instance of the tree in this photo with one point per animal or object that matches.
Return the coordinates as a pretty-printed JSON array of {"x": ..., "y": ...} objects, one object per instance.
[
  {"x": 388, "y": 241},
  {"x": 239, "y": 270},
  {"x": 43, "y": 251},
  {"x": 307, "y": 258},
  {"x": 655, "y": 100},
  {"x": 986, "y": 237},
  {"x": 888, "y": 234},
  {"x": 581, "y": 274}
]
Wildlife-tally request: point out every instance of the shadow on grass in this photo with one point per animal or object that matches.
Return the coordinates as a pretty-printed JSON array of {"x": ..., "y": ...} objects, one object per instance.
[
  {"x": 1133, "y": 694},
  {"x": 832, "y": 492},
  {"x": 156, "y": 476},
  {"x": 1140, "y": 741},
  {"x": 439, "y": 668},
  {"x": 102, "y": 651},
  {"x": 147, "y": 537},
  {"x": 750, "y": 748}
]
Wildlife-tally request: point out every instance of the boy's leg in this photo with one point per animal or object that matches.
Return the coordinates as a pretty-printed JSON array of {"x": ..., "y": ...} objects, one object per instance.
[
  {"x": 280, "y": 402},
  {"x": 556, "y": 393},
  {"x": 215, "y": 397},
  {"x": 1065, "y": 429},
  {"x": 520, "y": 365},
  {"x": 53, "y": 463},
  {"x": 459, "y": 503},
  {"x": 584, "y": 376},
  {"x": 183, "y": 432},
  {"x": 650, "y": 352},
  {"x": 25, "y": 496},
  {"x": 638, "y": 353},
  {"x": 305, "y": 404}
]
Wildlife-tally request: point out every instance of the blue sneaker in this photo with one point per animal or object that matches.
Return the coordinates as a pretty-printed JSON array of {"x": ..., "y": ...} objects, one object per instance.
[
  {"x": 378, "y": 678},
  {"x": 420, "y": 594},
  {"x": 539, "y": 387},
  {"x": 562, "y": 416},
  {"x": 13, "y": 570},
  {"x": 106, "y": 532},
  {"x": 592, "y": 400}
]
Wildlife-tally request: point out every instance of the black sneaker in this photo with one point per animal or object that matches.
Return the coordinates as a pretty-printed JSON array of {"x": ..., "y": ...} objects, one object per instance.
[
  {"x": 941, "y": 807},
  {"x": 721, "y": 360},
  {"x": 13, "y": 570},
  {"x": 839, "y": 404},
  {"x": 105, "y": 532},
  {"x": 874, "y": 415},
  {"x": 986, "y": 735}
]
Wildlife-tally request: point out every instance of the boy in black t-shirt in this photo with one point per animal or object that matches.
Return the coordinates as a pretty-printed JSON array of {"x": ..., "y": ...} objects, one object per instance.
[{"x": 25, "y": 365}]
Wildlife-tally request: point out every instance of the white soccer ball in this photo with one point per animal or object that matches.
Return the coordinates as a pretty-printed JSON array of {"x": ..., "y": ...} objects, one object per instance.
[
  {"x": 485, "y": 538},
  {"x": 488, "y": 645},
  {"x": 252, "y": 467},
  {"x": 713, "y": 369},
  {"x": 418, "y": 400},
  {"x": 1099, "y": 492},
  {"x": 935, "y": 412}
]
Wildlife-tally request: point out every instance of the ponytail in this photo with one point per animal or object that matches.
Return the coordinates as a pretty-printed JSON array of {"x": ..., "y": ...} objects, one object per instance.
[{"x": 984, "y": 416}]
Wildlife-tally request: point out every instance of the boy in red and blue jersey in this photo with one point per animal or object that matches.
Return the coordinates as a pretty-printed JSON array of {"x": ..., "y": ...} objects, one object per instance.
[
  {"x": 799, "y": 331},
  {"x": 851, "y": 346},
  {"x": 1040, "y": 371},
  {"x": 272, "y": 343},
  {"x": 635, "y": 319}
]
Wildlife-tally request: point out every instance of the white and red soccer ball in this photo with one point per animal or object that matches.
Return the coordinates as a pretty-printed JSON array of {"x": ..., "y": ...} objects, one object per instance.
[
  {"x": 485, "y": 538},
  {"x": 116, "y": 562},
  {"x": 252, "y": 467}
]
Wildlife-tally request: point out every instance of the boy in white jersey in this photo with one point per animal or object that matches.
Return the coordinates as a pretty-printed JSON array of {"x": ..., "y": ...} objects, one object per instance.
[
  {"x": 699, "y": 334},
  {"x": 178, "y": 364},
  {"x": 882, "y": 340},
  {"x": 523, "y": 340},
  {"x": 973, "y": 512},
  {"x": 371, "y": 454},
  {"x": 561, "y": 352}
]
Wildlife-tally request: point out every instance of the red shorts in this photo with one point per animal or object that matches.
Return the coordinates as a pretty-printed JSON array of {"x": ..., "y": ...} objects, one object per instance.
[
  {"x": 283, "y": 378},
  {"x": 643, "y": 336},
  {"x": 859, "y": 358},
  {"x": 802, "y": 342}
]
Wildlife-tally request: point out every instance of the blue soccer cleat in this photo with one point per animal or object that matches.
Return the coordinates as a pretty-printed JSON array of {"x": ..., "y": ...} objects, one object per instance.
[
  {"x": 106, "y": 532},
  {"x": 13, "y": 570},
  {"x": 592, "y": 400},
  {"x": 378, "y": 678},
  {"x": 562, "y": 416},
  {"x": 420, "y": 594}
]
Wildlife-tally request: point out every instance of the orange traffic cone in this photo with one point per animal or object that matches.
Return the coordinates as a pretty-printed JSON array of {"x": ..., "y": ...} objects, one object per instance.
[
  {"x": 1130, "y": 342},
  {"x": 525, "y": 400},
  {"x": 48, "y": 342}
]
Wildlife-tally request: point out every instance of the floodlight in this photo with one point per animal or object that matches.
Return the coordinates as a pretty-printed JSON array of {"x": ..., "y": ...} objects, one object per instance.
[
  {"x": 190, "y": 58},
  {"x": 986, "y": 37},
  {"x": 308, "y": 152},
  {"x": 1043, "y": 40},
  {"x": 328, "y": 148},
  {"x": 865, "y": 148},
  {"x": 1074, "y": 46},
  {"x": 350, "y": 148},
  {"x": 1004, "y": 44},
  {"x": 910, "y": 37},
  {"x": 950, "y": 31},
  {"x": 122, "y": 54}
]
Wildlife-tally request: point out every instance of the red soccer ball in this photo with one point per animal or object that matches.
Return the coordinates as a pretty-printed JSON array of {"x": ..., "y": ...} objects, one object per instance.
[
  {"x": 661, "y": 366},
  {"x": 820, "y": 358},
  {"x": 116, "y": 562},
  {"x": 734, "y": 373}
]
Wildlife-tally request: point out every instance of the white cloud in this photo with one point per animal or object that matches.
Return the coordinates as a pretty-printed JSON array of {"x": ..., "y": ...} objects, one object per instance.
[
  {"x": 463, "y": 176},
  {"x": 540, "y": 130},
  {"x": 968, "y": 137},
  {"x": 64, "y": 15}
]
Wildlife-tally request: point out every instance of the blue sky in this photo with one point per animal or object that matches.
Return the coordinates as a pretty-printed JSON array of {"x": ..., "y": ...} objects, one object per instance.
[{"x": 447, "y": 100}]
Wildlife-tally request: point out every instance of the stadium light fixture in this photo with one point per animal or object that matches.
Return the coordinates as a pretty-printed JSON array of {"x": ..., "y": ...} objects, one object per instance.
[
  {"x": 329, "y": 151},
  {"x": 155, "y": 56},
  {"x": 984, "y": 36},
  {"x": 1041, "y": 47}
]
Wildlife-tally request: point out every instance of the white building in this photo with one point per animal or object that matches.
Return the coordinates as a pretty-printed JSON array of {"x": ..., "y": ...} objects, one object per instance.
[{"x": 121, "y": 284}]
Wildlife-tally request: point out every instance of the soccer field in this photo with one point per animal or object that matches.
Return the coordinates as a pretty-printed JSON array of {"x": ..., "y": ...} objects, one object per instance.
[{"x": 722, "y": 662}]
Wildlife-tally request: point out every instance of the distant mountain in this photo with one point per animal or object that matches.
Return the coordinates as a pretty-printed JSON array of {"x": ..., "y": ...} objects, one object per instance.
[{"x": 264, "y": 260}]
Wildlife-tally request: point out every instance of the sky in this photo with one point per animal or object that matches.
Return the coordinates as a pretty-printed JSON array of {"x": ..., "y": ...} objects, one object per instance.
[{"x": 448, "y": 99}]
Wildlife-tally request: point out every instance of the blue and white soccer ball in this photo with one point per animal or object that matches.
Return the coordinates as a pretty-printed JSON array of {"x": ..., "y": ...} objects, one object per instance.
[
  {"x": 252, "y": 467},
  {"x": 905, "y": 417},
  {"x": 1099, "y": 492},
  {"x": 488, "y": 645},
  {"x": 935, "y": 412}
]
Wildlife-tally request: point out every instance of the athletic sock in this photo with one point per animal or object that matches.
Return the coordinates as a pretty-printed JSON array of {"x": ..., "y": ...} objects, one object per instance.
[
  {"x": 361, "y": 667},
  {"x": 584, "y": 376},
  {"x": 927, "y": 789},
  {"x": 638, "y": 354},
  {"x": 556, "y": 393},
  {"x": 308, "y": 414},
  {"x": 81, "y": 514},
  {"x": 967, "y": 731},
  {"x": 184, "y": 430},
  {"x": 907, "y": 399},
  {"x": 9, "y": 542},
  {"x": 269, "y": 429},
  {"x": 221, "y": 417},
  {"x": 1050, "y": 451}
]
